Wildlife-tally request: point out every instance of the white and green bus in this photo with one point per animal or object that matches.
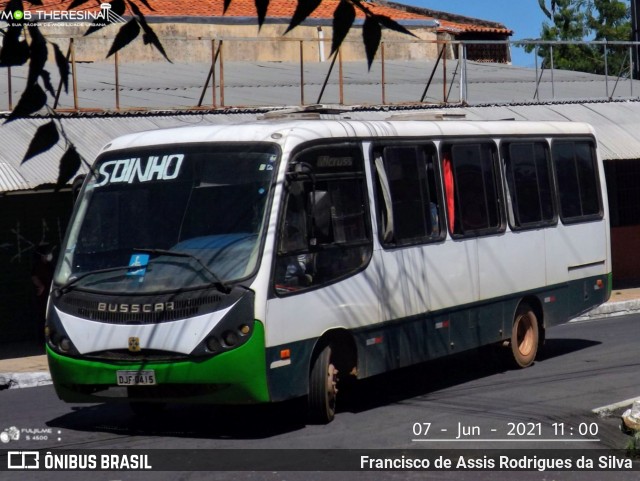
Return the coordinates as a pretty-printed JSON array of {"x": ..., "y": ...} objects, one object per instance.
[{"x": 276, "y": 259}]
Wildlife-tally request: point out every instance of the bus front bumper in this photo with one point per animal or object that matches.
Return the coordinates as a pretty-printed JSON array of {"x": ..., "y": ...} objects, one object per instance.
[{"x": 234, "y": 377}]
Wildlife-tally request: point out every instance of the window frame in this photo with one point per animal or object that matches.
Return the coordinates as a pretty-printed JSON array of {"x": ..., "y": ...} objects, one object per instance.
[
  {"x": 598, "y": 185},
  {"x": 512, "y": 216},
  {"x": 447, "y": 145},
  {"x": 334, "y": 143},
  {"x": 379, "y": 202}
]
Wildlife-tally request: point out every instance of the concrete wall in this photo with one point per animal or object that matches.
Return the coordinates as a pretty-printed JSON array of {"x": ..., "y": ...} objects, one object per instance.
[{"x": 191, "y": 42}]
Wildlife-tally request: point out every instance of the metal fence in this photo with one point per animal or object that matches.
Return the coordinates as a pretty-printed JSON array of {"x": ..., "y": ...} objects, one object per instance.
[{"x": 220, "y": 80}]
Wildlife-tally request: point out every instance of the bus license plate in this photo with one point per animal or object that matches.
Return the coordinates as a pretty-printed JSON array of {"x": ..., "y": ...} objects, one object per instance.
[{"x": 136, "y": 378}]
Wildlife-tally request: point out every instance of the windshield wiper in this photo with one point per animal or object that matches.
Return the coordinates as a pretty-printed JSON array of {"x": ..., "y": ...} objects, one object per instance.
[
  {"x": 58, "y": 291},
  {"x": 217, "y": 282}
]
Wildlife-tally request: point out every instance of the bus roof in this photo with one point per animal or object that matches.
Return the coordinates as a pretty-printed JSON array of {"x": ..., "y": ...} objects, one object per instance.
[{"x": 298, "y": 131}]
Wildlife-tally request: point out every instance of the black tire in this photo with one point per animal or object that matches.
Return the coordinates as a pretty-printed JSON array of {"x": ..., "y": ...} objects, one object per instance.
[
  {"x": 323, "y": 388},
  {"x": 525, "y": 336}
]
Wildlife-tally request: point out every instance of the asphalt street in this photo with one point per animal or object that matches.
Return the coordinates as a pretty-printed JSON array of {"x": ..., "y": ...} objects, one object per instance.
[{"x": 469, "y": 402}]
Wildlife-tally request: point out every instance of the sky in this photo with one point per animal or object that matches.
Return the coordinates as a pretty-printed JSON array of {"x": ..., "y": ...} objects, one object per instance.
[{"x": 524, "y": 17}]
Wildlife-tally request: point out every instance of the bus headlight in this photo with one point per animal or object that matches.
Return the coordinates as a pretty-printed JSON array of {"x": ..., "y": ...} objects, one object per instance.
[
  {"x": 65, "y": 344},
  {"x": 213, "y": 344},
  {"x": 234, "y": 329},
  {"x": 229, "y": 338},
  {"x": 57, "y": 337}
]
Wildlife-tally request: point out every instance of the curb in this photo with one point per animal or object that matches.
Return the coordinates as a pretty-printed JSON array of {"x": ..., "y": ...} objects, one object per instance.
[
  {"x": 611, "y": 309},
  {"x": 19, "y": 380}
]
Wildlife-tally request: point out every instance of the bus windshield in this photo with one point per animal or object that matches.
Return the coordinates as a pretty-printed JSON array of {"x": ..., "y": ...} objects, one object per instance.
[{"x": 206, "y": 203}]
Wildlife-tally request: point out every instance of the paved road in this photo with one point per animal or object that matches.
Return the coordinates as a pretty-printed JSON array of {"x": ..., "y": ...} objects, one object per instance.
[{"x": 474, "y": 397}]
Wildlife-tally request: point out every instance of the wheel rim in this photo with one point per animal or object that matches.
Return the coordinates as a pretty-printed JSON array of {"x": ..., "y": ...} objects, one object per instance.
[{"x": 525, "y": 335}]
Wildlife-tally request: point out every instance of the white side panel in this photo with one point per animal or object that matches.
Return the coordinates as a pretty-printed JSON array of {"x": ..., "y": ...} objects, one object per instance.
[
  {"x": 452, "y": 273},
  {"x": 350, "y": 303},
  {"x": 576, "y": 251},
  {"x": 512, "y": 262},
  {"x": 176, "y": 336},
  {"x": 403, "y": 282}
]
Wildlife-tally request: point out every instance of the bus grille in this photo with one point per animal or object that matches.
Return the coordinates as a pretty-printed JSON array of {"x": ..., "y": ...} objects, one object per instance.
[
  {"x": 115, "y": 312},
  {"x": 146, "y": 355}
]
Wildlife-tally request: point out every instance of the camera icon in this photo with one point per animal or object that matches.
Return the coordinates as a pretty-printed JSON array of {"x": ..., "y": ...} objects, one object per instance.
[{"x": 10, "y": 434}]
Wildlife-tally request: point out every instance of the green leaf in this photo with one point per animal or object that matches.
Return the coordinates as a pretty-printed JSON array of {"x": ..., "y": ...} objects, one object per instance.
[
  {"x": 391, "y": 24},
  {"x": 149, "y": 36},
  {"x": 46, "y": 80},
  {"x": 69, "y": 165},
  {"x": 14, "y": 51},
  {"x": 543, "y": 7},
  {"x": 63, "y": 66},
  {"x": 343, "y": 18},
  {"x": 45, "y": 137},
  {"x": 14, "y": 5},
  {"x": 32, "y": 100},
  {"x": 371, "y": 35},
  {"x": 127, "y": 33},
  {"x": 37, "y": 55},
  {"x": 303, "y": 10},
  {"x": 261, "y": 8}
]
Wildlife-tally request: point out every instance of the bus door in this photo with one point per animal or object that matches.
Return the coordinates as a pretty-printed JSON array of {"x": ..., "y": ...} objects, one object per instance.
[
  {"x": 411, "y": 232},
  {"x": 321, "y": 281}
]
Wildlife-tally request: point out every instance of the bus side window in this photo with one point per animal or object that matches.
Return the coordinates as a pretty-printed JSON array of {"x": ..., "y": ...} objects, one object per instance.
[
  {"x": 324, "y": 233},
  {"x": 473, "y": 187},
  {"x": 408, "y": 173},
  {"x": 578, "y": 186},
  {"x": 529, "y": 183}
]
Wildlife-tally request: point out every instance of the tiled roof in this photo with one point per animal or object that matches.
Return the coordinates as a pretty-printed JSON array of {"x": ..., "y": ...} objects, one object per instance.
[{"x": 277, "y": 9}]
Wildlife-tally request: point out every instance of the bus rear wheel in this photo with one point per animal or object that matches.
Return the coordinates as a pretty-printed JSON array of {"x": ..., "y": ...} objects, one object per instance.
[
  {"x": 323, "y": 389},
  {"x": 524, "y": 336}
]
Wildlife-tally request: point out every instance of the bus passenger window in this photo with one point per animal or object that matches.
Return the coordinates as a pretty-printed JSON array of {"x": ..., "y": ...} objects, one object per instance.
[
  {"x": 408, "y": 202},
  {"x": 324, "y": 233},
  {"x": 529, "y": 183},
  {"x": 473, "y": 188},
  {"x": 577, "y": 174}
]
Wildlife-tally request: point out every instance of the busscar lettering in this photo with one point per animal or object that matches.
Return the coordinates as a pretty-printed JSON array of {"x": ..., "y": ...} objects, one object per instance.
[
  {"x": 128, "y": 171},
  {"x": 136, "y": 308}
]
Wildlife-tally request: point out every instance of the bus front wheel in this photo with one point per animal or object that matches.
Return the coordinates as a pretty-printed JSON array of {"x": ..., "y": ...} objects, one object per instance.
[
  {"x": 524, "y": 336},
  {"x": 323, "y": 388}
]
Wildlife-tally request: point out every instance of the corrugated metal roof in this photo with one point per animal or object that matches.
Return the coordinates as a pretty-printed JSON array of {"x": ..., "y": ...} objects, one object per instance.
[
  {"x": 494, "y": 91},
  {"x": 164, "y": 86},
  {"x": 10, "y": 178},
  {"x": 616, "y": 124}
]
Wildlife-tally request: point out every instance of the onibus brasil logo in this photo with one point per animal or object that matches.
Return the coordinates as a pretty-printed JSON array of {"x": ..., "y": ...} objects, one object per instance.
[{"x": 105, "y": 14}]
